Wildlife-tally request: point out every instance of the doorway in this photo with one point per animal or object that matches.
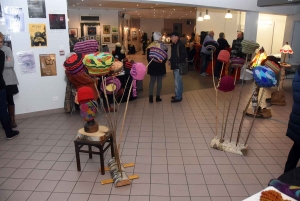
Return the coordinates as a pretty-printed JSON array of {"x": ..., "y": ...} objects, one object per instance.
[
  {"x": 178, "y": 28},
  {"x": 295, "y": 58}
]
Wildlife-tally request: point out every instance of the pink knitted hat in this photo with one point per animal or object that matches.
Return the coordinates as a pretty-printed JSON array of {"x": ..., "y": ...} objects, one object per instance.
[
  {"x": 86, "y": 47},
  {"x": 226, "y": 84},
  {"x": 138, "y": 71},
  {"x": 224, "y": 56}
]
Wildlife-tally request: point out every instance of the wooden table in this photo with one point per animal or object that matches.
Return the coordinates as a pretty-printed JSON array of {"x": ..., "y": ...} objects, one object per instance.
[{"x": 282, "y": 74}]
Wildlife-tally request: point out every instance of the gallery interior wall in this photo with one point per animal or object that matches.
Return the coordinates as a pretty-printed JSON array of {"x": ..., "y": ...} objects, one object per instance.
[
  {"x": 150, "y": 25},
  {"x": 187, "y": 29},
  {"x": 107, "y": 17},
  {"x": 37, "y": 93}
]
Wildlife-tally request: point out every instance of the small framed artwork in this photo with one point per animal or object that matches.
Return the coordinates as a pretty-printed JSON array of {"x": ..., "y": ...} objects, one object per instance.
[
  {"x": 106, "y": 39},
  {"x": 92, "y": 38},
  {"x": 106, "y": 29},
  {"x": 134, "y": 36},
  {"x": 73, "y": 31},
  {"x": 92, "y": 31},
  {"x": 86, "y": 37},
  {"x": 114, "y": 38},
  {"x": 114, "y": 30},
  {"x": 98, "y": 38}
]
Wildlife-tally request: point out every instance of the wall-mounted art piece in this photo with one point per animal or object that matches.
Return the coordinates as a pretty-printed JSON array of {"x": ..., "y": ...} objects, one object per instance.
[
  {"x": 134, "y": 35},
  {"x": 36, "y": 8},
  {"x": 14, "y": 19},
  {"x": 57, "y": 21},
  {"x": 73, "y": 31},
  {"x": 48, "y": 64},
  {"x": 92, "y": 31},
  {"x": 38, "y": 36},
  {"x": 106, "y": 39},
  {"x": 114, "y": 30},
  {"x": 114, "y": 38},
  {"x": 106, "y": 29},
  {"x": 98, "y": 38}
]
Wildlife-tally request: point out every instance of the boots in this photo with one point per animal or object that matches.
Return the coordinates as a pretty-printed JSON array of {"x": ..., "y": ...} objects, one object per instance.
[
  {"x": 150, "y": 99},
  {"x": 158, "y": 99},
  {"x": 11, "y": 111}
]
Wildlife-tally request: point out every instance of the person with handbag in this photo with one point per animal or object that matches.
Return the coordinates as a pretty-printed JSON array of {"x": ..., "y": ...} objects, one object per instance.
[
  {"x": 178, "y": 65},
  {"x": 293, "y": 131}
]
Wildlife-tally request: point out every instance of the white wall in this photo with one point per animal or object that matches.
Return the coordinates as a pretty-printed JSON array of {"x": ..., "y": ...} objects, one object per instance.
[
  {"x": 270, "y": 32},
  {"x": 151, "y": 25},
  {"x": 36, "y": 92},
  {"x": 250, "y": 32},
  {"x": 107, "y": 17},
  {"x": 218, "y": 24}
]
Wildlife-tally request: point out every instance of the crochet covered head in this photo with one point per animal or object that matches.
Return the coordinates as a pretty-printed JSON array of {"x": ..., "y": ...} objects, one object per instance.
[
  {"x": 86, "y": 47},
  {"x": 85, "y": 94},
  {"x": 110, "y": 85},
  {"x": 74, "y": 65},
  {"x": 138, "y": 71},
  {"x": 98, "y": 63},
  {"x": 157, "y": 54},
  {"x": 211, "y": 45},
  {"x": 249, "y": 47},
  {"x": 237, "y": 62},
  {"x": 226, "y": 84},
  {"x": 264, "y": 76},
  {"x": 224, "y": 56}
]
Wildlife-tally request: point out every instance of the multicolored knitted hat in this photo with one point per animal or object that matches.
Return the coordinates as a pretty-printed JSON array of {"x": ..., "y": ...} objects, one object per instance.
[
  {"x": 237, "y": 62},
  {"x": 88, "y": 110},
  {"x": 86, "y": 47},
  {"x": 98, "y": 63},
  {"x": 157, "y": 54},
  {"x": 211, "y": 45},
  {"x": 138, "y": 71},
  {"x": 74, "y": 65},
  {"x": 85, "y": 94},
  {"x": 272, "y": 66},
  {"x": 110, "y": 85},
  {"x": 116, "y": 68},
  {"x": 264, "y": 76},
  {"x": 224, "y": 56},
  {"x": 226, "y": 84},
  {"x": 249, "y": 47}
]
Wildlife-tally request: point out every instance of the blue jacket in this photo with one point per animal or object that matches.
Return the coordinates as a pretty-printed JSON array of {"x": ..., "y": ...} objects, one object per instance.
[
  {"x": 203, "y": 49},
  {"x": 293, "y": 130}
]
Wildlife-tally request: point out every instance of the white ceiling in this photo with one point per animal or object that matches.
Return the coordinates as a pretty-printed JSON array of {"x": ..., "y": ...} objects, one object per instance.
[{"x": 138, "y": 10}]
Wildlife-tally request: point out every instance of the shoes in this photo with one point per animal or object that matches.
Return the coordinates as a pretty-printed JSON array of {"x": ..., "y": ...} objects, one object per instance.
[
  {"x": 158, "y": 99},
  {"x": 203, "y": 74},
  {"x": 110, "y": 109},
  {"x": 13, "y": 135},
  {"x": 150, "y": 99},
  {"x": 172, "y": 97},
  {"x": 176, "y": 100}
]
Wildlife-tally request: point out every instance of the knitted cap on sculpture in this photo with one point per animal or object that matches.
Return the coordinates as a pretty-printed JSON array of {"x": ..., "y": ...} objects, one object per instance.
[
  {"x": 98, "y": 63},
  {"x": 237, "y": 62},
  {"x": 157, "y": 54},
  {"x": 272, "y": 66},
  {"x": 110, "y": 85},
  {"x": 88, "y": 110},
  {"x": 138, "y": 71},
  {"x": 85, "y": 94},
  {"x": 224, "y": 56},
  {"x": 86, "y": 47},
  {"x": 264, "y": 76},
  {"x": 74, "y": 64},
  {"x": 211, "y": 45},
  {"x": 226, "y": 84},
  {"x": 249, "y": 47},
  {"x": 116, "y": 68}
]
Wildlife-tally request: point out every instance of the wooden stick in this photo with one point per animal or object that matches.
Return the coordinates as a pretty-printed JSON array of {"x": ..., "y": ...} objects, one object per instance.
[
  {"x": 240, "y": 96},
  {"x": 222, "y": 136},
  {"x": 255, "y": 113}
]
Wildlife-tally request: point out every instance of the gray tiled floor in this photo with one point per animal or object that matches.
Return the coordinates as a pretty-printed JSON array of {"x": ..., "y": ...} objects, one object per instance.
[{"x": 169, "y": 143}]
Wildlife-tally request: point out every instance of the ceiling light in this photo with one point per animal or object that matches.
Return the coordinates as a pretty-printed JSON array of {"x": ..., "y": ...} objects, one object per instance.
[
  {"x": 137, "y": 4},
  {"x": 200, "y": 18},
  {"x": 100, "y": 4},
  {"x": 174, "y": 8},
  {"x": 123, "y": 8},
  {"x": 185, "y": 14},
  {"x": 73, "y": 5},
  {"x": 163, "y": 11},
  {"x": 206, "y": 17},
  {"x": 154, "y": 9},
  {"x": 190, "y": 11},
  {"x": 156, "y": 4},
  {"x": 151, "y": 7},
  {"x": 90, "y": 8},
  {"x": 228, "y": 15}
]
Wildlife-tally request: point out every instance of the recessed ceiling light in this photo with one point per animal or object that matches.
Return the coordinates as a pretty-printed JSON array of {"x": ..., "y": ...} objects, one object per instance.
[
  {"x": 90, "y": 8},
  {"x": 190, "y": 11},
  {"x": 163, "y": 11},
  {"x": 73, "y": 5},
  {"x": 174, "y": 8},
  {"x": 154, "y": 9},
  {"x": 123, "y": 8},
  {"x": 185, "y": 14},
  {"x": 151, "y": 7},
  {"x": 156, "y": 4},
  {"x": 77, "y": 3},
  {"x": 136, "y": 11},
  {"x": 137, "y": 4},
  {"x": 100, "y": 4},
  {"x": 180, "y": 18}
]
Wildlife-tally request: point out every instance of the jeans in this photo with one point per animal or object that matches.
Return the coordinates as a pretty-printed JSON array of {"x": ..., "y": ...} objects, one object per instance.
[
  {"x": 218, "y": 68},
  {"x": 153, "y": 79},
  {"x": 204, "y": 62},
  {"x": 178, "y": 84},
  {"x": 293, "y": 157},
  {"x": 4, "y": 116}
]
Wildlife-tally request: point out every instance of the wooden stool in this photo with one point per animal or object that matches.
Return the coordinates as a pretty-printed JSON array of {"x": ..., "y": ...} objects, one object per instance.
[{"x": 100, "y": 145}]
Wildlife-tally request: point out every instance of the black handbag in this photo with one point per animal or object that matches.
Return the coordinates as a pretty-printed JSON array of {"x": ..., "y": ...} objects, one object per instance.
[{"x": 183, "y": 67}]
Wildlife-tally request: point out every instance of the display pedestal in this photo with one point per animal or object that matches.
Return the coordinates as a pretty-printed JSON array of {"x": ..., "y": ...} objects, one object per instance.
[{"x": 263, "y": 113}]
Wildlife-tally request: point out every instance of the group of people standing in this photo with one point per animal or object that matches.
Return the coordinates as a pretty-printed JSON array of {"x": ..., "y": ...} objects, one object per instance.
[{"x": 8, "y": 88}]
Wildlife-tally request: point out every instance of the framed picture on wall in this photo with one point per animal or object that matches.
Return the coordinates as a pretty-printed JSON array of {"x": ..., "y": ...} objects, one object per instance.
[
  {"x": 106, "y": 29},
  {"x": 106, "y": 39},
  {"x": 57, "y": 21},
  {"x": 86, "y": 37},
  {"x": 114, "y": 30},
  {"x": 73, "y": 31},
  {"x": 98, "y": 38},
  {"x": 92, "y": 37},
  {"x": 92, "y": 31},
  {"x": 114, "y": 38},
  {"x": 134, "y": 36}
]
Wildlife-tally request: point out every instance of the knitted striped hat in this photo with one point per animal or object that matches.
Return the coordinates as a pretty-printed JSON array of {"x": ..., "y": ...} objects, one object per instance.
[
  {"x": 226, "y": 84},
  {"x": 224, "y": 56},
  {"x": 272, "y": 66},
  {"x": 211, "y": 45},
  {"x": 138, "y": 71},
  {"x": 88, "y": 110},
  {"x": 85, "y": 94},
  {"x": 249, "y": 47},
  {"x": 116, "y": 68},
  {"x": 237, "y": 62},
  {"x": 98, "y": 63},
  {"x": 74, "y": 65},
  {"x": 157, "y": 54},
  {"x": 264, "y": 76},
  {"x": 86, "y": 47},
  {"x": 128, "y": 64},
  {"x": 110, "y": 85}
]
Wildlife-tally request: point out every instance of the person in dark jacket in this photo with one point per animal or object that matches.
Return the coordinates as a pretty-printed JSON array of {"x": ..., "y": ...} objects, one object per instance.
[
  {"x": 178, "y": 55},
  {"x": 293, "y": 130},
  {"x": 236, "y": 50},
  {"x": 4, "y": 116},
  {"x": 144, "y": 42},
  {"x": 156, "y": 70},
  {"x": 205, "y": 54},
  {"x": 223, "y": 44}
]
